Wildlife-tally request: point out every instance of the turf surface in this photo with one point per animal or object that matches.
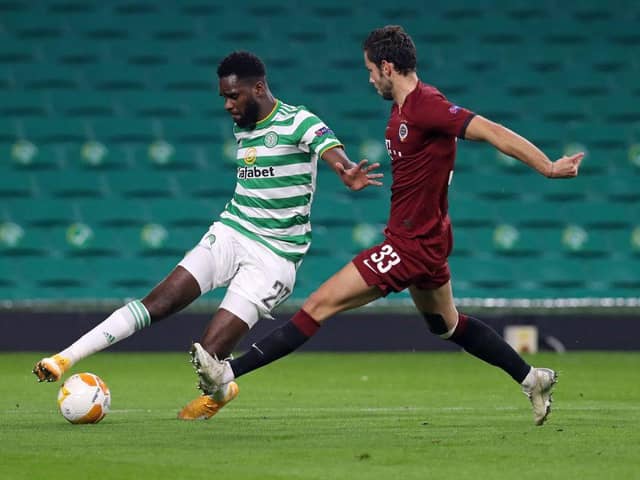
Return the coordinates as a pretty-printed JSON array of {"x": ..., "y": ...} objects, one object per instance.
[{"x": 330, "y": 416}]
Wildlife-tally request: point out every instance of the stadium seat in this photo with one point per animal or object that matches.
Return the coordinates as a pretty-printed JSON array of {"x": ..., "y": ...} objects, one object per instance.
[
  {"x": 68, "y": 103},
  {"x": 50, "y": 278},
  {"x": 20, "y": 104},
  {"x": 183, "y": 212},
  {"x": 100, "y": 242},
  {"x": 201, "y": 183},
  {"x": 17, "y": 184},
  {"x": 575, "y": 189},
  {"x": 619, "y": 276},
  {"x": 332, "y": 209},
  {"x": 129, "y": 277},
  {"x": 466, "y": 210},
  {"x": 600, "y": 214},
  {"x": 111, "y": 78},
  {"x": 28, "y": 243},
  {"x": 515, "y": 242},
  {"x": 563, "y": 276},
  {"x": 112, "y": 212},
  {"x": 484, "y": 277},
  {"x": 491, "y": 185},
  {"x": 74, "y": 184},
  {"x": 40, "y": 212},
  {"x": 45, "y": 77},
  {"x": 131, "y": 75},
  {"x": 314, "y": 270},
  {"x": 50, "y": 130},
  {"x": 536, "y": 213},
  {"x": 468, "y": 241},
  {"x": 141, "y": 183},
  {"x": 188, "y": 131},
  {"x": 620, "y": 242}
]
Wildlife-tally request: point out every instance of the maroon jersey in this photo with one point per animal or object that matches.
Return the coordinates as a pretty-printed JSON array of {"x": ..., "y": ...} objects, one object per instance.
[{"x": 421, "y": 141}]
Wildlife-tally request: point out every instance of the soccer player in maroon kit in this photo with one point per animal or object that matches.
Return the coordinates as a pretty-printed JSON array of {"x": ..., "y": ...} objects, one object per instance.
[{"x": 421, "y": 138}]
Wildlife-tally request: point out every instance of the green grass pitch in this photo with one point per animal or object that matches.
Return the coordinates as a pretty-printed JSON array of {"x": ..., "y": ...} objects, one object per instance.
[{"x": 330, "y": 416}]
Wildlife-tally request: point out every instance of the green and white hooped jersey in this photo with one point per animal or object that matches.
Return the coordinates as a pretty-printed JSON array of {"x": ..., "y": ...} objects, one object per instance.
[{"x": 277, "y": 168}]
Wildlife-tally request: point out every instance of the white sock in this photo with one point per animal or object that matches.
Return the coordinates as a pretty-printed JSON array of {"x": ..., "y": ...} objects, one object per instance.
[
  {"x": 119, "y": 325},
  {"x": 530, "y": 380},
  {"x": 228, "y": 375}
]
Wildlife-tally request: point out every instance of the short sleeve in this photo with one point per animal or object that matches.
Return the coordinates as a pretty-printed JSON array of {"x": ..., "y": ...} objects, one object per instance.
[
  {"x": 437, "y": 114},
  {"x": 316, "y": 136}
]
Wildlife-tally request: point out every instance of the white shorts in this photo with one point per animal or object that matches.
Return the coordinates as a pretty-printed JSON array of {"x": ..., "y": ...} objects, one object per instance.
[{"x": 258, "y": 280}]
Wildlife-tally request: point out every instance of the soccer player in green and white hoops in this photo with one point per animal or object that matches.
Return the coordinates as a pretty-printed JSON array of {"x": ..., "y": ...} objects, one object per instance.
[{"x": 262, "y": 234}]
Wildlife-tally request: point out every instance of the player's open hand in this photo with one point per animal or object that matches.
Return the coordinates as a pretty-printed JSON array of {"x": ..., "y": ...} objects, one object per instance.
[
  {"x": 359, "y": 176},
  {"x": 567, "y": 166}
]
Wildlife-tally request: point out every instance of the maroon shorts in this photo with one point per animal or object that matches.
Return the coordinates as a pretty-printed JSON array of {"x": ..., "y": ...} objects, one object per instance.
[{"x": 396, "y": 264}]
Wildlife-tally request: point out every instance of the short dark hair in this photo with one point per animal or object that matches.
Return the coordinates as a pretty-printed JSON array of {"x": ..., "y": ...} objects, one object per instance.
[
  {"x": 243, "y": 65},
  {"x": 393, "y": 44}
]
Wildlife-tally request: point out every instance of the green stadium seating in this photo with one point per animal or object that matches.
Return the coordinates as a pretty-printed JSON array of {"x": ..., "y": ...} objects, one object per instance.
[
  {"x": 331, "y": 208},
  {"x": 102, "y": 242},
  {"x": 315, "y": 269},
  {"x": 141, "y": 183},
  {"x": 50, "y": 130},
  {"x": 67, "y": 103},
  {"x": 45, "y": 77},
  {"x": 17, "y": 184},
  {"x": 129, "y": 277},
  {"x": 535, "y": 213},
  {"x": 115, "y": 212},
  {"x": 74, "y": 184},
  {"x": 616, "y": 277},
  {"x": 184, "y": 212},
  {"x": 128, "y": 74},
  {"x": 583, "y": 187},
  {"x": 55, "y": 278},
  {"x": 40, "y": 212},
  {"x": 468, "y": 211},
  {"x": 468, "y": 241},
  {"x": 111, "y": 77},
  {"x": 531, "y": 242},
  {"x": 600, "y": 214},
  {"x": 188, "y": 131},
  {"x": 492, "y": 185},
  {"x": 121, "y": 130},
  {"x": 29, "y": 244},
  {"x": 561, "y": 277},
  {"x": 20, "y": 104}
]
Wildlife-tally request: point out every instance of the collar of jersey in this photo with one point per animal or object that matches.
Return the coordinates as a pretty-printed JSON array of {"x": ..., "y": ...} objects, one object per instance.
[{"x": 271, "y": 114}]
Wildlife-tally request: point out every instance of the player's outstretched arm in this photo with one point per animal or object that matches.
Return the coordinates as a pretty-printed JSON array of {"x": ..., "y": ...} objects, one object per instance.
[
  {"x": 514, "y": 145},
  {"x": 355, "y": 176}
]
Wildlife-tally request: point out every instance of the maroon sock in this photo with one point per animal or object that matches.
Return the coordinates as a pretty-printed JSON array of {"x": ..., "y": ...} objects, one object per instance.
[
  {"x": 280, "y": 342},
  {"x": 305, "y": 323}
]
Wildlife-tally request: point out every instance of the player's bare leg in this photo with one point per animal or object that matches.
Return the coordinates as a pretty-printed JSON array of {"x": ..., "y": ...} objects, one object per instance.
[
  {"x": 477, "y": 338},
  {"x": 171, "y": 295},
  {"x": 343, "y": 291}
]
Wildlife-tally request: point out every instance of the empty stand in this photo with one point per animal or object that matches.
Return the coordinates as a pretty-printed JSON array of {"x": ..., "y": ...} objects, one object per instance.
[{"x": 140, "y": 79}]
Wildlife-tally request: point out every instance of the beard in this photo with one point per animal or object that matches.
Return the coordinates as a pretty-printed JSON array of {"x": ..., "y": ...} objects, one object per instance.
[
  {"x": 250, "y": 117},
  {"x": 385, "y": 91}
]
